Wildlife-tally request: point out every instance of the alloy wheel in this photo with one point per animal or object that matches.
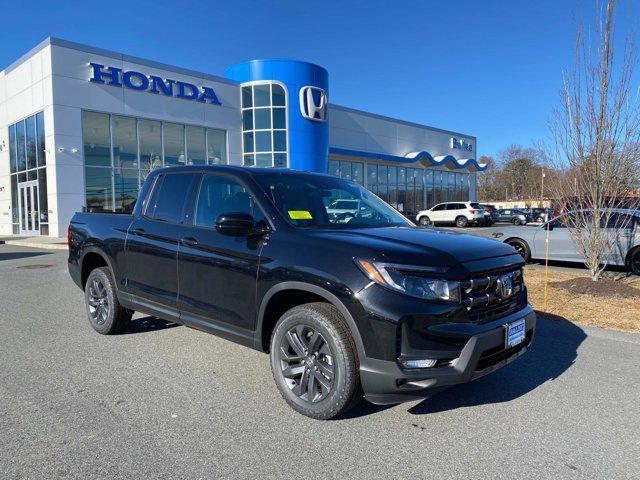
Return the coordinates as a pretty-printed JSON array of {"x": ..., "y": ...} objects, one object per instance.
[
  {"x": 98, "y": 302},
  {"x": 307, "y": 363},
  {"x": 519, "y": 248}
]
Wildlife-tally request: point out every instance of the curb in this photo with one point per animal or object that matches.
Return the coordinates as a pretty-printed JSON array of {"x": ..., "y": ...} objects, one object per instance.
[{"x": 46, "y": 246}]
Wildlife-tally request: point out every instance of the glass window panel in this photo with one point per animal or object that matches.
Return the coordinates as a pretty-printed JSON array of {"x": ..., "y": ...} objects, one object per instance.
[
  {"x": 13, "y": 156},
  {"x": 14, "y": 199},
  {"x": 382, "y": 174},
  {"x": 96, "y": 139},
  {"x": 150, "y": 144},
  {"x": 247, "y": 120},
  {"x": 248, "y": 142},
  {"x": 393, "y": 175},
  {"x": 217, "y": 147},
  {"x": 173, "y": 139},
  {"x": 125, "y": 181},
  {"x": 261, "y": 94},
  {"x": 20, "y": 147},
  {"x": 263, "y": 141},
  {"x": 172, "y": 196},
  {"x": 280, "y": 141},
  {"x": 196, "y": 145},
  {"x": 32, "y": 175},
  {"x": 402, "y": 176},
  {"x": 372, "y": 176},
  {"x": 262, "y": 117},
  {"x": 334, "y": 168},
  {"x": 264, "y": 160},
  {"x": 22, "y": 177},
  {"x": 249, "y": 160},
  {"x": 246, "y": 97},
  {"x": 31, "y": 142},
  {"x": 279, "y": 118},
  {"x": 42, "y": 154},
  {"x": 280, "y": 160},
  {"x": 277, "y": 95},
  {"x": 345, "y": 170},
  {"x": 125, "y": 142},
  {"x": 98, "y": 189},
  {"x": 357, "y": 172}
]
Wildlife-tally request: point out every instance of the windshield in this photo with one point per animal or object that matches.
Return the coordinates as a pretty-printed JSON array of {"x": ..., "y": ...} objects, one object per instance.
[{"x": 312, "y": 201}]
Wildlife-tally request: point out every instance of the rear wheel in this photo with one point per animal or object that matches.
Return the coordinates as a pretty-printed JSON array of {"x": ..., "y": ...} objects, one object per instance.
[
  {"x": 425, "y": 221},
  {"x": 314, "y": 361},
  {"x": 105, "y": 313},
  {"x": 634, "y": 261},
  {"x": 517, "y": 221},
  {"x": 462, "y": 222},
  {"x": 521, "y": 247}
]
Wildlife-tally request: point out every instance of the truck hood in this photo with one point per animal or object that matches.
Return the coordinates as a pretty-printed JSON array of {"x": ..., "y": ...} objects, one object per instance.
[{"x": 419, "y": 246}]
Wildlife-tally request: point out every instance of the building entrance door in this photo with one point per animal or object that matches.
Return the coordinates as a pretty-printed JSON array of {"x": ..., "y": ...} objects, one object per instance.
[{"x": 28, "y": 208}]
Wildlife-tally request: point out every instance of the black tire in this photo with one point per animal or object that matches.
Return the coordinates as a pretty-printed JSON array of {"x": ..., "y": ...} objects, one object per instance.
[
  {"x": 633, "y": 261},
  {"x": 104, "y": 312},
  {"x": 517, "y": 222},
  {"x": 462, "y": 222},
  {"x": 313, "y": 342},
  {"x": 521, "y": 247},
  {"x": 540, "y": 220},
  {"x": 425, "y": 221}
]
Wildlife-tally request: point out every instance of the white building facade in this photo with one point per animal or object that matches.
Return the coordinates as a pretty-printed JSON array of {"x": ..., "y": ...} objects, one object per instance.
[{"x": 81, "y": 127}]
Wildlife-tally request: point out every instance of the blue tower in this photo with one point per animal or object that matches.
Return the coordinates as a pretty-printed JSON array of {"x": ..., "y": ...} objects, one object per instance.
[{"x": 307, "y": 87}]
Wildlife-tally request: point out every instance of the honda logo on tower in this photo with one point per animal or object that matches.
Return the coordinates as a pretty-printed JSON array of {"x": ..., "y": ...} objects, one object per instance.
[{"x": 313, "y": 103}]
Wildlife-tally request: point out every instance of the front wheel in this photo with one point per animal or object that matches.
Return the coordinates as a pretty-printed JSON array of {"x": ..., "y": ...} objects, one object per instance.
[
  {"x": 521, "y": 247},
  {"x": 105, "y": 313},
  {"x": 424, "y": 221},
  {"x": 314, "y": 361},
  {"x": 634, "y": 261}
]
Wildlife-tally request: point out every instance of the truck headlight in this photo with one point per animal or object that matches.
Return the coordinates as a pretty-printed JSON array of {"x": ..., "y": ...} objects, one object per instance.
[{"x": 411, "y": 280}]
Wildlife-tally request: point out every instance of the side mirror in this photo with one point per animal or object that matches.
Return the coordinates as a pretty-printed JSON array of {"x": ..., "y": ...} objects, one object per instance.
[{"x": 237, "y": 224}]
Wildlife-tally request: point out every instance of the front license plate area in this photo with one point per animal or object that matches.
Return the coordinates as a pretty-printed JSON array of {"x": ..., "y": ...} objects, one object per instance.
[{"x": 515, "y": 333}]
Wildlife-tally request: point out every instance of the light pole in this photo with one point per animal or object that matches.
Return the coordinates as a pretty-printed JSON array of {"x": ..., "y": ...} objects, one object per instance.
[{"x": 542, "y": 190}]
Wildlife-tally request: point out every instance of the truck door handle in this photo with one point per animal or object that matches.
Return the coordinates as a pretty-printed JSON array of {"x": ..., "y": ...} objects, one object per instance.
[{"x": 189, "y": 241}]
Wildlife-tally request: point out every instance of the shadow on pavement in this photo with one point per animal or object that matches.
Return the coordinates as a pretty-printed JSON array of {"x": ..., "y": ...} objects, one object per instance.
[
  {"x": 554, "y": 350},
  {"x": 19, "y": 255},
  {"x": 147, "y": 324}
]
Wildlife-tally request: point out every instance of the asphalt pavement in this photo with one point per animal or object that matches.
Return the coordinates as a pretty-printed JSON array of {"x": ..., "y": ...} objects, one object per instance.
[{"x": 165, "y": 401}]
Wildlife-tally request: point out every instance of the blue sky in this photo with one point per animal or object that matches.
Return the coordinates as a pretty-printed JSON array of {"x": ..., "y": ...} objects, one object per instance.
[{"x": 487, "y": 68}]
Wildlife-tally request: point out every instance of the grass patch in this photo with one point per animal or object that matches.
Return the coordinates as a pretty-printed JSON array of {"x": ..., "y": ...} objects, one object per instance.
[{"x": 609, "y": 303}]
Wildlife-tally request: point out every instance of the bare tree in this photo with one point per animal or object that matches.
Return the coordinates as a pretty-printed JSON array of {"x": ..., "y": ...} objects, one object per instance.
[{"x": 596, "y": 137}]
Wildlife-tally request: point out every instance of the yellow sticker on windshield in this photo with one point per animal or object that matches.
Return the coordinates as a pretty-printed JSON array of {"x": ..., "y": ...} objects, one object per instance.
[{"x": 299, "y": 215}]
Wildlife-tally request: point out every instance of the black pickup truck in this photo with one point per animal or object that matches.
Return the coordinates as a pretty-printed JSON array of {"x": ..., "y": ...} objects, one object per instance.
[{"x": 347, "y": 302}]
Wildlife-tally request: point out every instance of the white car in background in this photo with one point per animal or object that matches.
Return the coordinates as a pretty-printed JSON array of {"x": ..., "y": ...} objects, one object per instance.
[
  {"x": 343, "y": 208},
  {"x": 460, "y": 214}
]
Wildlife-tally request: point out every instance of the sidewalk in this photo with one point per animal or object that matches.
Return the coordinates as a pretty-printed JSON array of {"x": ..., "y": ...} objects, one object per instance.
[{"x": 51, "y": 243}]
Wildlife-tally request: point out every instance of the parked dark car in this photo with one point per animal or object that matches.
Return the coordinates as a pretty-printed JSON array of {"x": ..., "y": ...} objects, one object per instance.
[
  {"x": 356, "y": 303},
  {"x": 515, "y": 216},
  {"x": 492, "y": 211},
  {"x": 539, "y": 215}
]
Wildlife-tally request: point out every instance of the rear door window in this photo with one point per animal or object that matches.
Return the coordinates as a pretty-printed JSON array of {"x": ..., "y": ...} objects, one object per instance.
[{"x": 170, "y": 195}]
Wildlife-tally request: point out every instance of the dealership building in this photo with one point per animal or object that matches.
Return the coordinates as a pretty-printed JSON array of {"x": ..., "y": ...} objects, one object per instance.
[{"x": 81, "y": 127}]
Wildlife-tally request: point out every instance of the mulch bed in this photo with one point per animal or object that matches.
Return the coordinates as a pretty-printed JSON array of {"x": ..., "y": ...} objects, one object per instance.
[{"x": 604, "y": 288}]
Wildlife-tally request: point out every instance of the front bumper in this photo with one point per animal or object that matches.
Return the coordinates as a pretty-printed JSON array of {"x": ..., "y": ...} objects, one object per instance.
[{"x": 385, "y": 382}]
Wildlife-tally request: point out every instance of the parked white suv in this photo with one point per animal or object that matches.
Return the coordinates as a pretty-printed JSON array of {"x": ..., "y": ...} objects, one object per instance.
[{"x": 459, "y": 213}]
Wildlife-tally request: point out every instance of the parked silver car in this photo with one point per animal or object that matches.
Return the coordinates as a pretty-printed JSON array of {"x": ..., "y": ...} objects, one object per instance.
[{"x": 623, "y": 226}]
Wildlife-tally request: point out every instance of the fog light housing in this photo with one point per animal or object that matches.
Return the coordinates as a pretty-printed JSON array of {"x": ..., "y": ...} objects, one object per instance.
[{"x": 418, "y": 363}]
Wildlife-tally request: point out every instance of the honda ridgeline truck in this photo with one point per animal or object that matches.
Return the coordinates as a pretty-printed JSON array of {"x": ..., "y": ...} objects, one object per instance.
[{"x": 357, "y": 303}]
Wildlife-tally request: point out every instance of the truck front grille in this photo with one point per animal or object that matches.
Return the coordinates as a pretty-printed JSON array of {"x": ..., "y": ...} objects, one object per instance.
[{"x": 491, "y": 295}]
